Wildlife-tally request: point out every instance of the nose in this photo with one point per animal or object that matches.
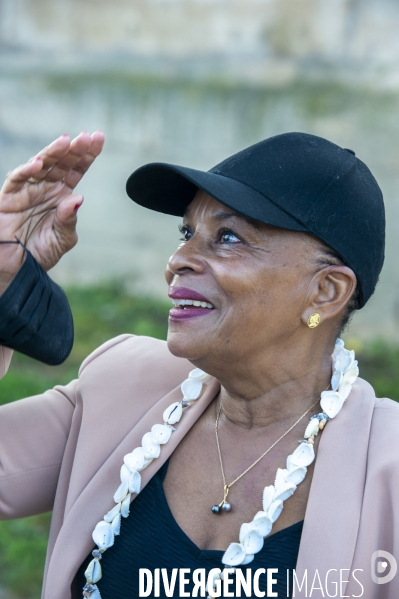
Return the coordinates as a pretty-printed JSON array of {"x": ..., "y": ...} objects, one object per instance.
[{"x": 188, "y": 258}]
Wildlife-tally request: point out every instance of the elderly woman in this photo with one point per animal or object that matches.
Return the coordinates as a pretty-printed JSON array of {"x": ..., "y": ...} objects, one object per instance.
[{"x": 198, "y": 438}]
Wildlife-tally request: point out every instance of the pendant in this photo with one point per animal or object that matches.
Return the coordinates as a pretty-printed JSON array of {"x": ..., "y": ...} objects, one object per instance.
[{"x": 223, "y": 505}]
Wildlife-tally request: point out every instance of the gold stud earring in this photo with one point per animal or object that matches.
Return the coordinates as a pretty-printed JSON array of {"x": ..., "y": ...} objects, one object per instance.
[{"x": 314, "y": 320}]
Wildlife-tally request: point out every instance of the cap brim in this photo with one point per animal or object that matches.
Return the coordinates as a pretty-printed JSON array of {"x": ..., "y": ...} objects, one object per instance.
[{"x": 170, "y": 189}]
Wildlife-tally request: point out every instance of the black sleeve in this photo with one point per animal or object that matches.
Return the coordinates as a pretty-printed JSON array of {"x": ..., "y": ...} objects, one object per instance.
[{"x": 35, "y": 317}]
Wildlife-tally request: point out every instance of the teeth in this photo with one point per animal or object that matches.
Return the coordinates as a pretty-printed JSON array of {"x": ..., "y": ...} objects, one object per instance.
[{"x": 189, "y": 302}]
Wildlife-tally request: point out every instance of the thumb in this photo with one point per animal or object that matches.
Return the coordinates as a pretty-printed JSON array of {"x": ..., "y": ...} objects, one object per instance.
[
  {"x": 66, "y": 212},
  {"x": 65, "y": 221}
]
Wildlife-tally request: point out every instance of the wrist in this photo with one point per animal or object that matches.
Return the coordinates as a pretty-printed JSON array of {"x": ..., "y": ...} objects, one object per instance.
[
  {"x": 35, "y": 317},
  {"x": 12, "y": 256}
]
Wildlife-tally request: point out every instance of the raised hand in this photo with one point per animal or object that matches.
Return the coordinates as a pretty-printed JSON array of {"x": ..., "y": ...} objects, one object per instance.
[{"x": 38, "y": 206}]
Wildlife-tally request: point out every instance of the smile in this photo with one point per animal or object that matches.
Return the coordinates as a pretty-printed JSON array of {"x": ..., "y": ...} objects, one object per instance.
[{"x": 187, "y": 304}]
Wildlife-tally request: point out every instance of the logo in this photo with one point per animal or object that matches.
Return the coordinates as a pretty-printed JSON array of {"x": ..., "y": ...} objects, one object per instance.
[{"x": 383, "y": 567}]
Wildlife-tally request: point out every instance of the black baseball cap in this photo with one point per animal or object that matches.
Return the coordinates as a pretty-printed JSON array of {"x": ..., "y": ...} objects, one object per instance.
[{"x": 294, "y": 181}]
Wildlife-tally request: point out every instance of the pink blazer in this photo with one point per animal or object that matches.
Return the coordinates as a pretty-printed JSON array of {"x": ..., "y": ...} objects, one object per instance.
[{"x": 62, "y": 451}]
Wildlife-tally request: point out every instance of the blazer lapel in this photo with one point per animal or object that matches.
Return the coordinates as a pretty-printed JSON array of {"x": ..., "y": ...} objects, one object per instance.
[
  {"x": 74, "y": 541},
  {"x": 335, "y": 500}
]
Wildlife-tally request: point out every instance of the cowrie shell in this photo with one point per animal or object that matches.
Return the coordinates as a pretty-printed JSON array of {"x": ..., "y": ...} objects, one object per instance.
[
  {"x": 103, "y": 535},
  {"x": 121, "y": 491},
  {"x": 173, "y": 413},
  {"x": 191, "y": 388},
  {"x": 234, "y": 555},
  {"x": 93, "y": 571}
]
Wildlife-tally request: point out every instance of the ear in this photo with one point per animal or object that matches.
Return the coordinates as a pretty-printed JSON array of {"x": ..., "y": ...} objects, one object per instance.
[{"x": 329, "y": 292}]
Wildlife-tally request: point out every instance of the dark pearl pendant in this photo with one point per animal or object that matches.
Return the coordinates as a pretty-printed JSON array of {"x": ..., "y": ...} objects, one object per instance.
[
  {"x": 216, "y": 509},
  {"x": 226, "y": 507}
]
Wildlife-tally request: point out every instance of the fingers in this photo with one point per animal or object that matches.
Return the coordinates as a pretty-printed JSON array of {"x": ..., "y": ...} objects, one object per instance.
[
  {"x": 59, "y": 168},
  {"x": 80, "y": 168},
  {"x": 52, "y": 153},
  {"x": 71, "y": 167},
  {"x": 17, "y": 178},
  {"x": 37, "y": 166},
  {"x": 62, "y": 159}
]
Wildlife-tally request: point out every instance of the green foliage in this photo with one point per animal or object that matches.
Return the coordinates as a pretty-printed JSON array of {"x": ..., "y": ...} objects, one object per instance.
[
  {"x": 22, "y": 550},
  {"x": 100, "y": 313},
  {"x": 379, "y": 365}
]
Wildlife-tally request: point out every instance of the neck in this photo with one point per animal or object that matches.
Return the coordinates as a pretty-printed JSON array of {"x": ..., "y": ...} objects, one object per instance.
[{"x": 276, "y": 389}]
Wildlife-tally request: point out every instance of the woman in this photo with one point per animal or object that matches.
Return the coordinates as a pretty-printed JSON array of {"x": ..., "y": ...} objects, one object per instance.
[{"x": 279, "y": 244}]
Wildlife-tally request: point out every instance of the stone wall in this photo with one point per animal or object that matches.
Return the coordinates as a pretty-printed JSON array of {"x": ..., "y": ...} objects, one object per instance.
[
  {"x": 354, "y": 36},
  {"x": 192, "y": 83}
]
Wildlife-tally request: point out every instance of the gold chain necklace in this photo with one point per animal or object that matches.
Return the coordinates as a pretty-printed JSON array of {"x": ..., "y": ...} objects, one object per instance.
[{"x": 224, "y": 504}]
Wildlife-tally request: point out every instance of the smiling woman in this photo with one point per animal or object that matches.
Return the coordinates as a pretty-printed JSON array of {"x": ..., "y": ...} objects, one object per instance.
[
  {"x": 198, "y": 438},
  {"x": 249, "y": 271}
]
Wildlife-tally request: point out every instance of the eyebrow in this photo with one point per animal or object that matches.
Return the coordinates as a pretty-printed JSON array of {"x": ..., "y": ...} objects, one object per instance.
[{"x": 222, "y": 215}]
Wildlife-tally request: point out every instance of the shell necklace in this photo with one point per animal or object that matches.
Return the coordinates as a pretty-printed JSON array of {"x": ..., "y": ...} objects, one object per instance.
[
  {"x": 224, "y": 504},
  {"x": 251, "y": 535}
]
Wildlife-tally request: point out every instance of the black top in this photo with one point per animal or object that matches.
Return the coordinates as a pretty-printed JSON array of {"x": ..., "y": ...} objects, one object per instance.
[
  {"x": 151, "y": 538},
  {"x": 35, "y": 317}
]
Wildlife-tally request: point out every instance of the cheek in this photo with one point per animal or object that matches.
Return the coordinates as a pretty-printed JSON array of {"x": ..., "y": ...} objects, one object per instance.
[{"x": 263, "y": 292}]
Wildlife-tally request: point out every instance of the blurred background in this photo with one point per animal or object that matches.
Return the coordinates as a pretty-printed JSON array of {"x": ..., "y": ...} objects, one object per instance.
[{"x": 188, "y": 82}]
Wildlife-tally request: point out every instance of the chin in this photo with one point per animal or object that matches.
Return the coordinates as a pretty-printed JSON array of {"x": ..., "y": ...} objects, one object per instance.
[{"x": 186, "y": 346}]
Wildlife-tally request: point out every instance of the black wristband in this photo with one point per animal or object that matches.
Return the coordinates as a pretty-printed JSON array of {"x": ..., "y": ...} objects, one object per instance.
[{"x": 35, "y": 317}]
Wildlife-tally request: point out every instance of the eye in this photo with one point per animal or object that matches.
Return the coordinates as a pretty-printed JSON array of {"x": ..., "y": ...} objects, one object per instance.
[
  {"x": 228, "y": 237},
  {"x": 186, "y": 233}
]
